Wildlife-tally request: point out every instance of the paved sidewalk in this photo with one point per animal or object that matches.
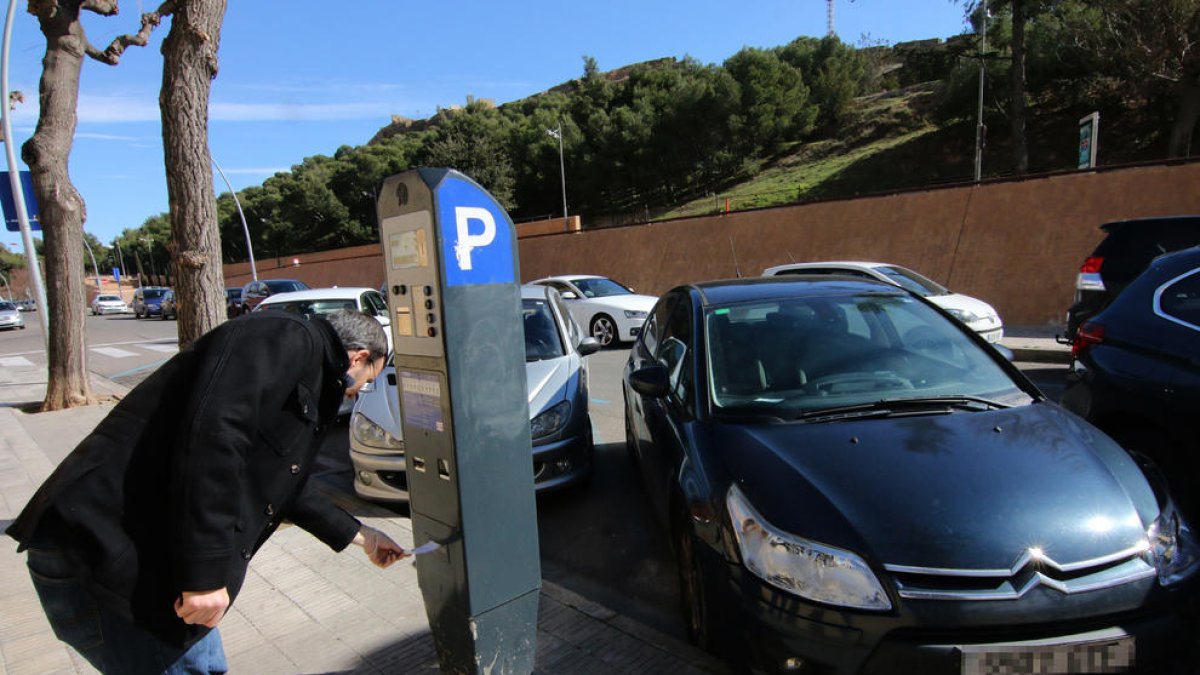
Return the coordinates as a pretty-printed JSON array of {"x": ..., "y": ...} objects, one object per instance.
[{"x": 303, "y": 609}]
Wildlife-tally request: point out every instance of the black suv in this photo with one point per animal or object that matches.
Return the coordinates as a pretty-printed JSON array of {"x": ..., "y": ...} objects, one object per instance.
[
  {"x": 255, "y": 291},
  {"x": 1127, "y": 249}
]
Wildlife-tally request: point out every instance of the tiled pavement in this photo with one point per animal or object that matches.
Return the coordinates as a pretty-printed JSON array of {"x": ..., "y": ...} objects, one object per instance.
[{"x": 303, "y": 609}]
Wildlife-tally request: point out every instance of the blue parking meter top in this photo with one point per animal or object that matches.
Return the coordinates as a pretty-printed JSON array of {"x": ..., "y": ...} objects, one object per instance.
[{"x": 477, "y": 235}]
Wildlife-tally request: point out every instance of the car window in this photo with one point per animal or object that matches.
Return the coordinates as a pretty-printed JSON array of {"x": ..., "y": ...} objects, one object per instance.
[
  {"x": 542, "y": 340},
  {"x": 152, "y": 293},
  {"x": 599, "y": 287},
  {"x": 1180, "y": 299},
  {"x": 311, "y": 307},
  {"x": 801, "y": 354},
  {"x": 7, "y": 307},
  {"x": 651, "y": 330},
  {"x": 376, "y": 302},
  {"x": 282, "y": 286},
  {"x": 910, "y": 280},
  {"x": 675, "y": 353}
]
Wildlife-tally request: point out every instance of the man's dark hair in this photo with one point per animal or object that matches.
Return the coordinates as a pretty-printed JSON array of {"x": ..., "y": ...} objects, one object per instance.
[{"x": 359, "y": 331}]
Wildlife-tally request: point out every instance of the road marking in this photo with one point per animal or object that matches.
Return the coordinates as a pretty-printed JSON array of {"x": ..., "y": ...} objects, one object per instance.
[
  {"x": 166, "y": 349},
  {"x": 113, "y": 352},
  {"x": 15, "y": 362}
]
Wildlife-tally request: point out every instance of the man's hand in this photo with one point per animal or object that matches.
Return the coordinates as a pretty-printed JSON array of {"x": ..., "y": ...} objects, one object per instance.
[
  {"x": 202, "y": 607},
  {"x": 378, "y": 546}
]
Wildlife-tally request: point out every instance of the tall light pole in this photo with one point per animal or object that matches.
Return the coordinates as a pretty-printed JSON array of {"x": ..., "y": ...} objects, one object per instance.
[
  {"x": 14, "y": 177},
  {"x": 7, "y": 288},
  {"x": 95, "y": 267},
  {"x": 979, "y": 128},
  {"x": 121, "y": 257},
  {"x": 562, "y": 167},
  {"x": 245, "y": 228}
]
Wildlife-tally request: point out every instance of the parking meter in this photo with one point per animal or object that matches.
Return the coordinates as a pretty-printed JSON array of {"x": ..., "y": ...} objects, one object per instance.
[{"x": 450, "y": 252}]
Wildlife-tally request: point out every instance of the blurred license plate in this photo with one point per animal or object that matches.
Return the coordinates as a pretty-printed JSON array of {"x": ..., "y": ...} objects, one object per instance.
[{"x": 1115, "y": 655}]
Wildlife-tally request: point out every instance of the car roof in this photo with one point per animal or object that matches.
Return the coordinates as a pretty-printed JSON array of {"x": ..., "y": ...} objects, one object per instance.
[
  {"x": 533, "y": 292},
  {"x": 1189, "y": 220},
  {"x": 340, "y": 293},
  {"x": 730, "y": 291},
  {"x": 568, "y": 277},
  {"x": 823, "y": 264}
]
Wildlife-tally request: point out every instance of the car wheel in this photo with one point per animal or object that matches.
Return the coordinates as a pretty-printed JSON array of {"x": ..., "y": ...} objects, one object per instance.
[
  {"x": 695, "y": 591},
  {"x": 604, "y": 329}
]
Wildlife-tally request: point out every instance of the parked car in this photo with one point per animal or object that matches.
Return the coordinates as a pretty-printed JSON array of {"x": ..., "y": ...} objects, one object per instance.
[
  {"x": 1137, "y": 367},
  {"x": 852, "y": 482},
  {"x": 168, "y": 308},
  {"x": 109, "y": 304},
  {"x": 1127, "y": 249},
  {"x": 977, "y": 314},
  {"x": 559, "y": 426},
  {"x": 233, "y": 302},
  {"x": 255, "y": 291},
  {"x": 611, "y": 312},
  {"x": 10, "y": 316},
  {"x": 26, "y": 305},
  {"x": 147, "y": 301},
  {"x": 320, "y": 301}
]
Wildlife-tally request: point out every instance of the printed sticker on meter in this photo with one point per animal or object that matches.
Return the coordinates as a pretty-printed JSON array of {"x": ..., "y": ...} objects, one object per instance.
[{"x": 477, "y": 245}]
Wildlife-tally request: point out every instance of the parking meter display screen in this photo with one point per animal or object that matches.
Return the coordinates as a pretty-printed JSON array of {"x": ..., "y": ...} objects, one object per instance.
[
  {"x": 408, "y": 249},
  {"x": 421, "y": 400}
]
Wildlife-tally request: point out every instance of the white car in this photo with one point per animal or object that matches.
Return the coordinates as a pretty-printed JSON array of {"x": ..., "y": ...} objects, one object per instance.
[
  {"x": 560, "y": 427},
  {"x": 609, "y": 311},
  {"x": 978, "y": 315},
  {"x": 109, "y": 304},
  {"x": 319, "y": 301},
  {"x": 10, "y": 316}
]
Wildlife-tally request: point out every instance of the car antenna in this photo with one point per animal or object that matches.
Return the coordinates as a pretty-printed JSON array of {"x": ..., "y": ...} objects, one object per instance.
[
  {"x": 790, "y": 256},
  {"x": 736, "y": 269}
]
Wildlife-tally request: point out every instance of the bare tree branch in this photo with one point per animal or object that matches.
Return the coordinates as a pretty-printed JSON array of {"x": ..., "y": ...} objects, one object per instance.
[{"x": 150, "y": 20}]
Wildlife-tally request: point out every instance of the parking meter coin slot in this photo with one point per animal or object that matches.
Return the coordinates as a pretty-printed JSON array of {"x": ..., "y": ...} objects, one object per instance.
[
  {"x": 418, "y": 464},
  {"x": 443, "y": 469}
]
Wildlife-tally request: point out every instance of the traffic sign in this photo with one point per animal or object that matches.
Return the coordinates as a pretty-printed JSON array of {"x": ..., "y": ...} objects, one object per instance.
[{"x": 10, "y": 205}]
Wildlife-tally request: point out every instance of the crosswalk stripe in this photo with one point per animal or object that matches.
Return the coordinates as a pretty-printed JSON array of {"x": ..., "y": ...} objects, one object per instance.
[
  {"x": 113, "y": 352},
  {"x": 15, "y": 361},
  {"x": 166, "y": 349}
]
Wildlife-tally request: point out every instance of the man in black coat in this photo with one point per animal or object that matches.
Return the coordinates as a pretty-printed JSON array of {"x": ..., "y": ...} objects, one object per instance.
[{"x": 140, "y": 539}]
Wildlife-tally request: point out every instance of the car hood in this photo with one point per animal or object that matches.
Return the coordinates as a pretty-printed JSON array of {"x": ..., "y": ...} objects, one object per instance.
[
  {"x": 962, "y": 490},
  {"x": 546, "y": 380},
  {"x": 967, "y": 303},
  {"x": 637, "y": 303},
  {"x": 10, "y": 313}
]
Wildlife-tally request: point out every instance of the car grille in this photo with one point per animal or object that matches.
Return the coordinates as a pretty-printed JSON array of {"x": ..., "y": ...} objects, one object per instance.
[
  {"x": 1031, "y": 570},
  {"x": 396, "y": 479}
]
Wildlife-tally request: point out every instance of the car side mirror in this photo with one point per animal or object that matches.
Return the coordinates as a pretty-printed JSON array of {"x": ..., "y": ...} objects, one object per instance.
[
  {"x": 650, "y": 381},
  {"x": 568, "y": 295},
  {"x": 588, "y": 345}
]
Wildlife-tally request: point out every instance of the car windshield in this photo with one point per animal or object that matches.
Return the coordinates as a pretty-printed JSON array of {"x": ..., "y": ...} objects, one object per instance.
[
  {"x": 599, "y": 287},
  {"x": 789, "y": 357},
  {"x": 151, "y": 293},
  {"x": 911, "y": 281},
  {"x": 311, "y": 307},
  {"x": 542, "y": 340},
  {"x": 108, "y": 298},
  {"x": 7, "y": 307},
  {"x": 279, "y": 286},
  {"x": 233, "y": 293}
]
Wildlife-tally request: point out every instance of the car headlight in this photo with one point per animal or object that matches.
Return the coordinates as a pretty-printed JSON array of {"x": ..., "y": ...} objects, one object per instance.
[
  {"x": 964, "y": 315},
  {"x": 635, "y": 314},
  {"x": 800, "y": 566},
  {"x": 551, "y": 421},
  {"x": 1174, "y": 547},
  {"x": 372, "y": 435}
]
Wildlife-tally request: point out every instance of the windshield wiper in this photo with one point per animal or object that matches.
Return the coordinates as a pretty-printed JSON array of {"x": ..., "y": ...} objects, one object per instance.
[{"x": 902, "y": 406}]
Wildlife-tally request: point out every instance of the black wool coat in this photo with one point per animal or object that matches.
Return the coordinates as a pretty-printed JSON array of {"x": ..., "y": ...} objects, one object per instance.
[{"x": 191, "y": 472}]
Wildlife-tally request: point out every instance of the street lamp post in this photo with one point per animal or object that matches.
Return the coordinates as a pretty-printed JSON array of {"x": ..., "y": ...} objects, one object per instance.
[
  {"x": 7, "y": 288},
  {"x": 95, "y": 267},
  {"x": 14, "y": 177},
  {"x": 562, "y": 167},
  {"x": 979, "y": 128},
  {"x": 245, "y": 228},
  {"x": 121, "y": 257}
]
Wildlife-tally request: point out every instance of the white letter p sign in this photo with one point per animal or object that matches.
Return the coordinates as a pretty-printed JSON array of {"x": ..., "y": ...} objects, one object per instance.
[{"x": 467, "y": 242}]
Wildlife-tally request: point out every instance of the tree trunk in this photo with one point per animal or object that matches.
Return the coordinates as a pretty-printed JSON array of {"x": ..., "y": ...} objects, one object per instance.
[
  {"x": 189, "y": 65},
  {"x": 1017, "y": 112},
  {"x": 1185, "y": 119},
  {"x": 62, "y": 210}
]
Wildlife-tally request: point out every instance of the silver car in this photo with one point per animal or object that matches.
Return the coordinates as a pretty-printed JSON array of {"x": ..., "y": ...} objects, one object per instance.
[
  {"x": 559, "y": 425},
  {"x": 10, "y": 316}
]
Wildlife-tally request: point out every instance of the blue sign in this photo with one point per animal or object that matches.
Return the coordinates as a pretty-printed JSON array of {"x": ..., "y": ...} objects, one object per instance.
[
  {"x": 477, "y": 236},
  {"x": 117, "y": 275},
  {"x": 10, "y": 205}
]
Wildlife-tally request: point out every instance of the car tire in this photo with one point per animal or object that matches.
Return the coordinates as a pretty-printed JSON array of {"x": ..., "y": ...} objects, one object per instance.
[
  {"x": 604, "y": 329},
  {"x": 701, "y": 615}
]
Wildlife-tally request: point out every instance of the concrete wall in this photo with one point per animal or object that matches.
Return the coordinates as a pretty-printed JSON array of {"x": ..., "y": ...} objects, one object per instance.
[{"x": 1016, "y": 244}]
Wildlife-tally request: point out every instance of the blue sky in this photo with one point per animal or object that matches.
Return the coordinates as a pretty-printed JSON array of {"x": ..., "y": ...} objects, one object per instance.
[{"x": 301, "y": 78}]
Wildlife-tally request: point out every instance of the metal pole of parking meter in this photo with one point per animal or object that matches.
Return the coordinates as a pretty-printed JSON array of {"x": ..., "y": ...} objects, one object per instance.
[{"x": 450, "y": 256}]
